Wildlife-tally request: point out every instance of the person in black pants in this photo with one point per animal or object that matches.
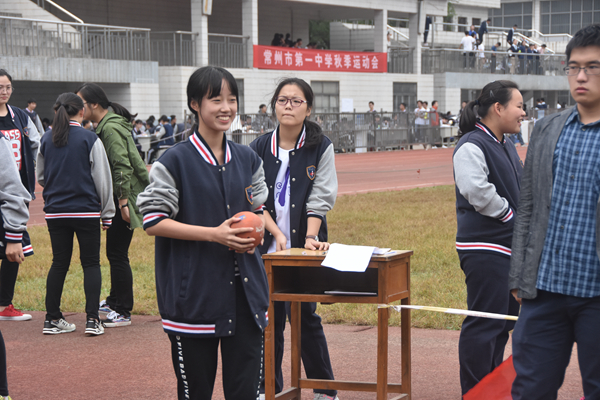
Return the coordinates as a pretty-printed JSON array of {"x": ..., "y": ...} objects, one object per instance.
[
  {"x": 300, "y": 171},
  {"x": 14, "y": 215},
  {"x": 487, "y": 173},
  {"x": 73, "y": 169},
  {"x": 130, "y": 177},
  {"x": 209, "y": 295},
  {"x": 20, "y": 131}
]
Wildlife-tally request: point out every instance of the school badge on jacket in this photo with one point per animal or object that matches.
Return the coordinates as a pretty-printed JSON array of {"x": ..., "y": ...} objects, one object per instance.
[
  {"x": 249, "y": 194},
  {"x": 311, "y": 172}
]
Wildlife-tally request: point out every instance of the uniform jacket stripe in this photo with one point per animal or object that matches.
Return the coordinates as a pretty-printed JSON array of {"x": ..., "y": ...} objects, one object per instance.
[
  {"x": 74, "y": 123},
  {"x": 13, "y": 236},
  {"x": 202, "y": 150},
  {"x": 508, "y": 216},
  {"x": 73, "y": 215},
  {"x": 28, "y": 249},
  {"x": 483, "y": 246},
  {"x": 153, "y": 216},
  {"x": 483, "y": 128},
  {"x": 188, "y": 328}
]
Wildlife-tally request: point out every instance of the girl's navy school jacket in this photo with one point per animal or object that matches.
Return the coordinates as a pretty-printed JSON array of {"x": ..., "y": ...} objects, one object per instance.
[
  {"x": 487, "y": 173},
  {"x": 313, "y": 183},
  {"x": 195, "y": 280},
  {"x": 76, "y": 177}
]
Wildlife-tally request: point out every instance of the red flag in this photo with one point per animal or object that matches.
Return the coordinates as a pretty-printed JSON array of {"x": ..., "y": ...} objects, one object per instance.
[{"x": 496, "y": 385}]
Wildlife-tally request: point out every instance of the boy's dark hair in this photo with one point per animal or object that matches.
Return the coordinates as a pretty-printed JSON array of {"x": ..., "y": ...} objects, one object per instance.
[
  {"x": 31, "y": 100},
  {"x": 588, "y": 36},
  {"x": 163, "y": 118},
  {"x": 371, "y": 103}
]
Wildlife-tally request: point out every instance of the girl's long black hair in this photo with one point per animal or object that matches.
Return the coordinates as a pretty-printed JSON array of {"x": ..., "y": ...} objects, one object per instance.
[
  {"x": 492, "y": 93},
  {"x": 314, "y": 133},
  {"x": 94, "y": 94},
  {"x": 67, "y": 105},
  {"x": 207, "y": 81}
]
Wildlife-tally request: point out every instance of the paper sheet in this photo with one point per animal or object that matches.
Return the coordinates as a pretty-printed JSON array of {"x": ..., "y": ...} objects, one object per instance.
[{"x": 348, "y": 258}]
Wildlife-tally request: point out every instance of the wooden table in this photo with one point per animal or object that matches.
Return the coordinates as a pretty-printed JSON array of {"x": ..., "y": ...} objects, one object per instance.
[{"x": 296, "y": 275}]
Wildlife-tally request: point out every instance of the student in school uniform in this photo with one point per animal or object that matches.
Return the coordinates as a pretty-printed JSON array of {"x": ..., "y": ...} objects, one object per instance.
[
  {"x": 208, "y": 294},
  {"x": 487, "y": 173},
  {"x": 14, "y": 215},
  {"x": 73, "y": 169},
  {"x": 24, "y": 139},
  {"x": 300, "y": 173}
]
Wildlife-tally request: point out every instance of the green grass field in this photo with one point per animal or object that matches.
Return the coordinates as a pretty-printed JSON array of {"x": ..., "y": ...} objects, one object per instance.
[{"x": 422, "y": 220}]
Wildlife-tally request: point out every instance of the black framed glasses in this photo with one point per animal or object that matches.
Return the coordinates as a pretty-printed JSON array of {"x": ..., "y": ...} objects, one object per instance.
[
  {"x": 282, "y": 101},
  {"x": 589, "y": 70}
]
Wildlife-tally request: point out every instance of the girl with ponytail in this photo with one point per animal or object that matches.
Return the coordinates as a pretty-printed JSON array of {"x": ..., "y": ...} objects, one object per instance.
[
  {"x": 300, "y": 173},
  {"x": 130, "y": 177},
  {"x": 73, "y": 169},
  {"x": 487, "y": 173}
]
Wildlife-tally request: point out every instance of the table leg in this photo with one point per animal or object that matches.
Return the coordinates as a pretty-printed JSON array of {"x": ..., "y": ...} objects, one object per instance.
[
  {"x": 405, "y": 346},
  {"x": 296, "y": 345},
  {"x": 382, "y": 352},
  {"x": 269, "y": 350}
]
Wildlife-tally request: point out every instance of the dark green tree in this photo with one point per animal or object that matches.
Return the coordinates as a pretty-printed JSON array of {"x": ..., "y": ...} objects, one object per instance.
[{"x": 318, "y": 32}]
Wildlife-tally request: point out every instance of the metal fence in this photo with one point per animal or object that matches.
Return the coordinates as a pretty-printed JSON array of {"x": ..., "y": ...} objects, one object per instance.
[
  {"x": 30, "y": 37},
  {"x": 400, "y": 61},
  {"x": 358, "y": 132},
  {"x": 228, "y": 51},
  {"x": 174, "y": 48},
  {"x": 453, "y": 60}
]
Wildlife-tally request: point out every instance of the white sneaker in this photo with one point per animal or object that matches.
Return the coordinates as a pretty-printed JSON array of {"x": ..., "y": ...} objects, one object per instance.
[{"x": 56, "y": 327}]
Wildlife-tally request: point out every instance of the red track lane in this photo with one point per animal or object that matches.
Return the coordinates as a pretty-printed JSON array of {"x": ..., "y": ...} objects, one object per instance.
[{"x": 364, "y": 173}]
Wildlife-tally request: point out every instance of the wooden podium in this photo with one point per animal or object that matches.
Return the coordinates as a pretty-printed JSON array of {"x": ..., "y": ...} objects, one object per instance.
[{"x": 296, "y": 275}]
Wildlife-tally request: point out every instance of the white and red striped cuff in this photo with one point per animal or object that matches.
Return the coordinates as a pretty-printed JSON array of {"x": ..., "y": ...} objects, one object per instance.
[
  {"x": 153, "y": 218},
  {"x": 13, "y": 237},
  {"x": 508, "y": 216},
  {"x": 107, "y": 222},
  {"x": 259, "y": 209}
]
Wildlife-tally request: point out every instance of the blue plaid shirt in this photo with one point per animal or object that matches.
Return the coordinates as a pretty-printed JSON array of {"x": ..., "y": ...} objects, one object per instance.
[{"x": 569, "y": 263}]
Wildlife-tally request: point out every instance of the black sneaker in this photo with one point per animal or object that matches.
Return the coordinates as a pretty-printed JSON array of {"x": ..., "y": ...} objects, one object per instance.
[
  {"x": 94, "y": 327},
  {"x": 56, "y": 327}
]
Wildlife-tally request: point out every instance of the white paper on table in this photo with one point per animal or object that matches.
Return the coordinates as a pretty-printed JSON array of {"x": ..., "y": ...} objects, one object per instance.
[
  {"x": 348, "y": 258},
  {"x": 381, "y": 251}
]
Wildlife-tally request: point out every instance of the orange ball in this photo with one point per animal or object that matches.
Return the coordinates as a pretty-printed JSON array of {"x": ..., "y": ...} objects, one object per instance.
[{"x": 250, "y": 220}]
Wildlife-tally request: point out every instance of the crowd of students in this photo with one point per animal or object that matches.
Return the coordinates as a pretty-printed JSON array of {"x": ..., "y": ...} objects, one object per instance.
[{"x": 97, "y": 181}]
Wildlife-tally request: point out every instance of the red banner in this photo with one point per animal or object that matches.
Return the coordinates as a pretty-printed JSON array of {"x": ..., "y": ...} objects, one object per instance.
[{"x": 289, "y": 58}]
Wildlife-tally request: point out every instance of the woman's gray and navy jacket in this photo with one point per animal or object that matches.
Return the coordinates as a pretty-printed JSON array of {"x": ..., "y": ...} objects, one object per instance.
[
  {"x": 29, "y": 146},
  {"x": 14, "y": 198},
  {"x": 313, "y": 183},
  {"x": 195, "y": 280},
  {"x": 76, "y": 177},
  {"x": 487, "y": 173}
]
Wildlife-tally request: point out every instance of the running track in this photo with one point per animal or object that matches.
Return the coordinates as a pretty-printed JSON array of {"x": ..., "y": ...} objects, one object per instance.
[{"x": 365, "y": 172}]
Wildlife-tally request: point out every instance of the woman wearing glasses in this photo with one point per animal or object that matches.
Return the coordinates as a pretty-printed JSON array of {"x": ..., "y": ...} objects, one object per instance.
[
  {"x": 300, "y": 174},
  {"x": 24, "y": 140}
]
